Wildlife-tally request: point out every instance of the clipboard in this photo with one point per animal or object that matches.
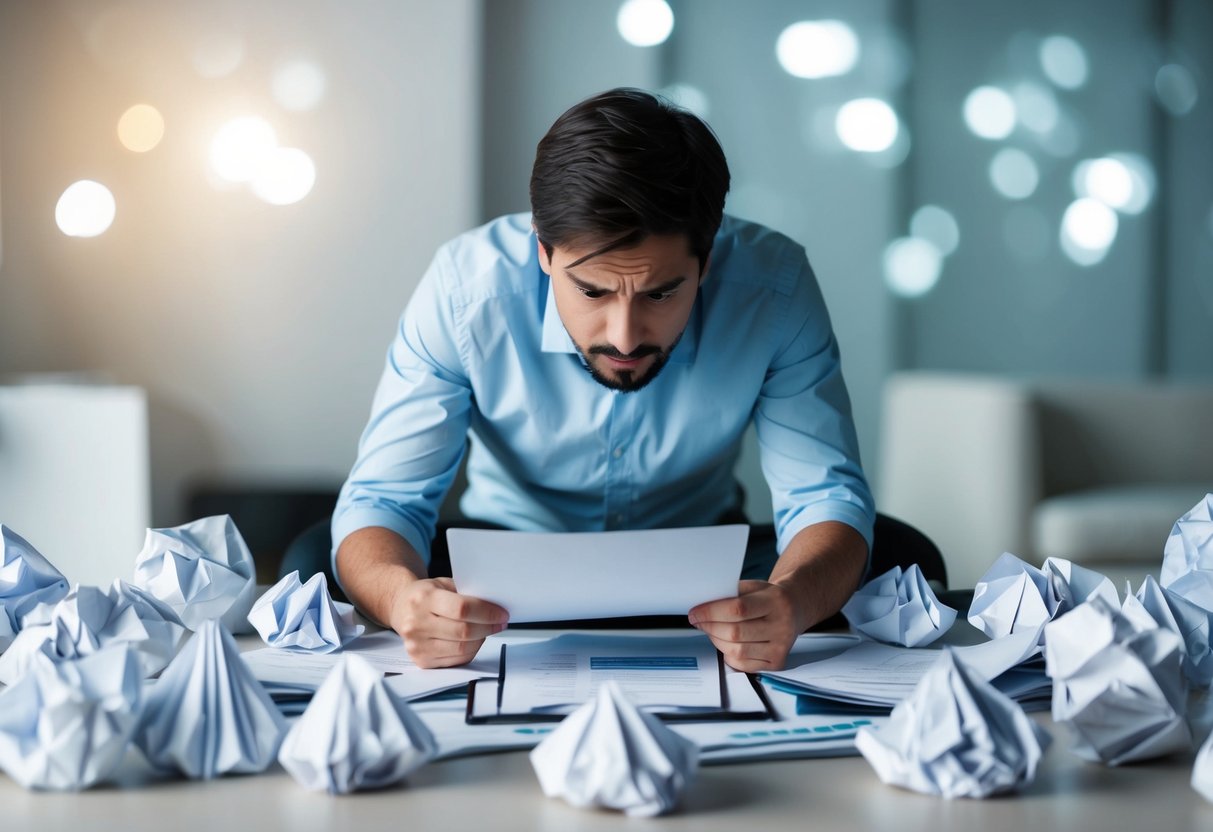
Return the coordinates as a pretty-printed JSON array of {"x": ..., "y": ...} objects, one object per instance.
[{"x": 483, "y": 706}]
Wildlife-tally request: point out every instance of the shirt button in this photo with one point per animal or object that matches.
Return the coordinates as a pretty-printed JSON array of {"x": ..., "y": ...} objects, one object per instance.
[{"x": 618, "y": 452}]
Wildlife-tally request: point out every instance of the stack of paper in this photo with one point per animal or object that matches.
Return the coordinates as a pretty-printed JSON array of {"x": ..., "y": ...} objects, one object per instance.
[
  {"x": 356, "y": 734},
  {"x": 1118, "y": 683},
  {"x": 1187, "y": 564},
  {"x": 1182, "y": 617},
  {"x": 1014, "y": 596},
  {"x": 955, "y": 736},
  {"x": 879, "y": 675},
  {"x": 26, "y": 580},
  {"x": 609, "y": 754},
  {"x": 899, "y": 608},
  {"x": 203, "y": 570},
  {"x": 207, "y": 715},
  {"x": 67, "y": 725},
  {"x": 304, "y": 617},
  {"x": 86, "y": 620}
]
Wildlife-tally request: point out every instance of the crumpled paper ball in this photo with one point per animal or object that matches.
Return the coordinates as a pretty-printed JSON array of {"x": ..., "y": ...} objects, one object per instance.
[
  {"x": 355, "y": 734},
  {"x": 609, "y": 754},
  {"x": 1014, "y": 595},
  {"x": 66, "y": 725},
  {"x": 207, "y": 715},
  {"x": 1202, "y": 770},
  {"x": 304, "y": 617},
  {"x": 203, "y": 570},
  {"x": 87, "y": 620},
  {"x": 26, "y": 580},
  {"x": 1118, "y": 683},
  {"x": 1190, "y": 544},
  {"x": 955, "y": 736},
  {"x": 1190, "y": 622},
  {"x": 899, "y": 608}
]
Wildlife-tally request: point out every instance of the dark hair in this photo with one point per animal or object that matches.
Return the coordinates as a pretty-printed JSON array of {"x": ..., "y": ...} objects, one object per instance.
[{"x": 626, "y": 164}]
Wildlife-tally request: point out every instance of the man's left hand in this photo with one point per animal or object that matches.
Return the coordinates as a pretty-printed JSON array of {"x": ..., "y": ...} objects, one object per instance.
[{"x": 755, "y": 630}]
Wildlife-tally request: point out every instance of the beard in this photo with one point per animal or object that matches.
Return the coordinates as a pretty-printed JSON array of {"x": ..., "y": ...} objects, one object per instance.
[{"x": 626, "y": 381}]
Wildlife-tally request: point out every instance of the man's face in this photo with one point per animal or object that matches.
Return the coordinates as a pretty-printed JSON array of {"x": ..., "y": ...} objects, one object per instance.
[{"x": 625, "y": 309}]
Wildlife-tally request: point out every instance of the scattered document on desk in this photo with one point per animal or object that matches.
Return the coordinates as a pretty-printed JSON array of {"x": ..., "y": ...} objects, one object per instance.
[
  {"x": 1014, "y": 596},
  {"x": 356, "y": 734},
  {"x": 1192, "y": 623},
  {"x": 899, "y": 608},
  {"x": 1189, "y": 546},
  {"x": 292, "y": 615},
  {"x": 955, "y": 736},
  {"x": 66, "y": 725},
  {"x": 1118, "y": 683},
  {"x": 206, "y": 715},
  {"x": 27, "y": 579},
  {"x": 88, "y": 619},
  {"x": 683, "y": 672},
  {"x": 872, "y": 674},
  {"x": 610, "y": 754},
  {"x": 562, "y": 576},
  {"x": 202, "y": 569}
]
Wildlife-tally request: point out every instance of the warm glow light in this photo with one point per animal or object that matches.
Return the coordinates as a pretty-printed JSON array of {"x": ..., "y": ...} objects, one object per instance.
[
  {"x": 990, "y": 113},
  {"x": 141, "y": 128},
  {"x": 217, "y": 55},
  {"x": 241, "y": 148},
  {"x": 1013, "y": 173},
  {"x": 86, "y": 209},
  {"x": 299, "y": 85},
  {"x": 1064, "y": 61},
  {"x": 1176, "y": 89},
  {"x": 286, "y": 176},
  {"x": 867, "y": 125},
  {"x": 912, "y": 266},
  {"x": 817, "y": 48},
  {"x": 645, "y": 22},
  {"x": 1088, "y": 228},
  {"x": 937, "y": 226}
]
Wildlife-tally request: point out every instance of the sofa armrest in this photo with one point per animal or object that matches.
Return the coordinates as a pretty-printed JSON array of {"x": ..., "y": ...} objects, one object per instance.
[{"x": 960, "y": 460}]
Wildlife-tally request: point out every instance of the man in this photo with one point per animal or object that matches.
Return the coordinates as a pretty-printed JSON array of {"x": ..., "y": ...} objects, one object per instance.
[{"x": 605, "y": 355}]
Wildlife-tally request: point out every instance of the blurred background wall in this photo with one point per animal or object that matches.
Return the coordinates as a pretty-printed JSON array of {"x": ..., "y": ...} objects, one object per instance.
[{"x": 1019, "y": 188}]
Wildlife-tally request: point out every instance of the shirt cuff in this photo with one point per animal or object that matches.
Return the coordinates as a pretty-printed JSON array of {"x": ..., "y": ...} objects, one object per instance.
[
  {"x": 848, "y": 513},
  {"x": 354, "y": 518}
]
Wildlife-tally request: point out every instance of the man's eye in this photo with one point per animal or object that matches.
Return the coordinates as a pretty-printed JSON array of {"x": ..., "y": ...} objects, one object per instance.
[
  {"x": 592, "y": 294},
  {"x": 660, "y": 297}
]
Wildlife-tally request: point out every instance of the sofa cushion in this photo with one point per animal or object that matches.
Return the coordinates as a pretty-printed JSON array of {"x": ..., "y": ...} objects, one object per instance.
[{"x": 1121, "y": 523}]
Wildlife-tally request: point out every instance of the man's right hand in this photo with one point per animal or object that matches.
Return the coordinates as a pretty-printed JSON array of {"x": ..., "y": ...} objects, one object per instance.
[{"x": 440, "y": 627}]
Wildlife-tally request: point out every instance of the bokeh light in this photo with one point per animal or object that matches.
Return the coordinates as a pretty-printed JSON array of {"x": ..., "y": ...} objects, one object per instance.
[
  {"x": 286, "y": 176},
  {"x": 241, "y": 148},
  {"x": 1123, "y": 181},
  {"x": 867, "y": 125},
  {"x": 912, "y": 266},
  {"x": 817, "y": 48},
  {"x": 937, "y": 226},
  {"x": 1088, "y": 229},
  {"x": 1176, "y": 89},
  {"x": 299, "y": 85},
  {"x": 1064, "y": 61},
  {"x": 645, "y": 22},
  {"x": 689, "y": 97},
  {"x": 1035, "y": 107},
  {"x": 1013, "y": 173},
  {"x": 217, "y": 54},
  {"x": 85, "y": 209},
  {"x": 141, "y": 128},
  {"x": 990, "y": 113}
]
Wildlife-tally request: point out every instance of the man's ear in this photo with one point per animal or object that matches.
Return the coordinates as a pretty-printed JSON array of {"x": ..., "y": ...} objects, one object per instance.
[{"x": 545, "y": 261}]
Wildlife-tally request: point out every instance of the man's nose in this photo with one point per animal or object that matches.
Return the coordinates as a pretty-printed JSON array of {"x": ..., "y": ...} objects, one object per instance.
[{"x": 624, "y": 331}]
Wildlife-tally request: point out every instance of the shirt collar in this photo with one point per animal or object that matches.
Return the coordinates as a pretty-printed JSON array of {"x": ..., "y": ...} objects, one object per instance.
[{"x": 556, "y": 337}]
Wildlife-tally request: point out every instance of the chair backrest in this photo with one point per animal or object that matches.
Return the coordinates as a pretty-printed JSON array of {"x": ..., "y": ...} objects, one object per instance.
[{"x": 74, "y": 475}]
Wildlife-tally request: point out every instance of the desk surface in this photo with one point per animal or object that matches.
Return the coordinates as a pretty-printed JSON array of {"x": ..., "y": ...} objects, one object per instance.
[{"x": 500, "y": 792}]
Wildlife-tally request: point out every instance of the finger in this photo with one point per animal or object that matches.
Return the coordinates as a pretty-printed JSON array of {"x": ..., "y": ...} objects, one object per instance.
[
  {"x": 745, "y": 607},
  {"x": 432, "y": 652},
  {"x": 736, "y": 632},
  {"x": 752, "y": 658},
  {"x": 442, "y": 628},
  {"x": 449, "y": 604}
]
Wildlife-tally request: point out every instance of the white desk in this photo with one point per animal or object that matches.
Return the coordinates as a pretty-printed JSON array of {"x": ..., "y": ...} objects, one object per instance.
[{"x": 500, "y": 792}]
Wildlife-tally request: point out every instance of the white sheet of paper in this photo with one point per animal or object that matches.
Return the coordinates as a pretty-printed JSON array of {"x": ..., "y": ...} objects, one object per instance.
[
  {"x": 562, "y": 576},
  {"x": 680, "y": 671}
]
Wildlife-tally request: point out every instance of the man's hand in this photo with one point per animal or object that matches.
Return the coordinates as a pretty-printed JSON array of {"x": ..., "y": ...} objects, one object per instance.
[
  {"x": 440, "y": 627},
  {"x": 755, "y": 630}
]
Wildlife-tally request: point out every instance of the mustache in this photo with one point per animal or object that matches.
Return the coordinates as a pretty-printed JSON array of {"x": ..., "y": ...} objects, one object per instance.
[{"x": 611, "y": 352}]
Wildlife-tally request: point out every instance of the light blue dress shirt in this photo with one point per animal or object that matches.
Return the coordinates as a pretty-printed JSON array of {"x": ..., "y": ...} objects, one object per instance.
[{"x": 481, "y": 352}]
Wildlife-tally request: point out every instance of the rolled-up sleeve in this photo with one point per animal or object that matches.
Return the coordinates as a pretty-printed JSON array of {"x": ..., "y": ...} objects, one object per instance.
[
  {"x": 808, "y": 446},
  {"x": 410, "y": 450}
]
